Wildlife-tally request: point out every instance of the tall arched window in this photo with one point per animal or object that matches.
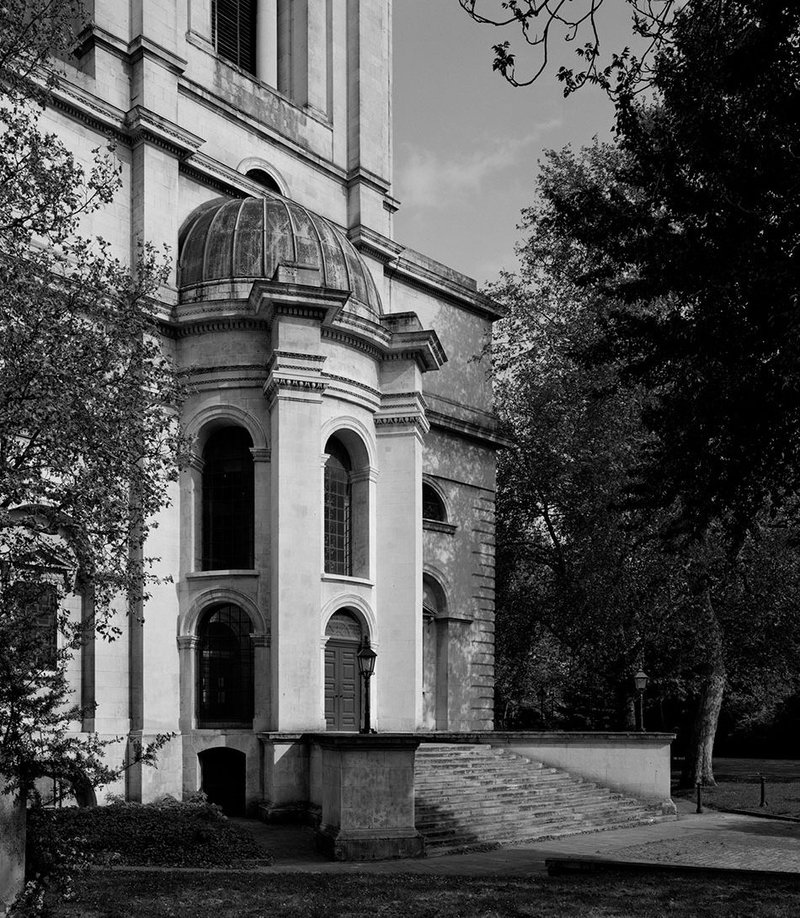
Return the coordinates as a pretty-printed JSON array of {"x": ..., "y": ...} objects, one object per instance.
[
  {"x": 228, "y": 500},
  {"x": 338, "y": 510},
  {"x": 224, "y": 667}
]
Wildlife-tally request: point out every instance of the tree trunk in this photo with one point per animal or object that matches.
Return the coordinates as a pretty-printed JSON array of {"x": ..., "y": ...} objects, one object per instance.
[{"x": 698, "y": 766}]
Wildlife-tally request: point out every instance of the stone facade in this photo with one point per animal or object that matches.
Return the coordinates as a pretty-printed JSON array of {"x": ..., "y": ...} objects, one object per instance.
[{"x": 323, "y": 348}]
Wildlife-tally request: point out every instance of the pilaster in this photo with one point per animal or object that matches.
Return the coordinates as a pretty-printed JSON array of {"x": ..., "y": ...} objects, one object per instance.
[
  {"x": 294, "y": 390},
  {"x": 400, "y": 427}
]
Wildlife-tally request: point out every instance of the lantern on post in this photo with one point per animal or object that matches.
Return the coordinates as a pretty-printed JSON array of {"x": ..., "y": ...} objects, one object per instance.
[
  {"x": 366, "y": 667},
  {"x": 640, "y": 680}
]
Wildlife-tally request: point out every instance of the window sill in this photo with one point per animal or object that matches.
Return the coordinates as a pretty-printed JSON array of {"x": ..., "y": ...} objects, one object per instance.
[
  {"x": 201, "y": 42},
  {"x": 342, "y": 578},
  {"x": 225, "y": 725},
  {"x": 438, "y": 526},
  {"x": 210, "y": 575}
]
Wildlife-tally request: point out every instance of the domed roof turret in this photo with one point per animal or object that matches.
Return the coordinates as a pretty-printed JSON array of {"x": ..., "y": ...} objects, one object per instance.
[{"x": 250, "y": 238}]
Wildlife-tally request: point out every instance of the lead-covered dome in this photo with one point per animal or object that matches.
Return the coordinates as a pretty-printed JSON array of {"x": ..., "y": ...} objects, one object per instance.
[{"x": 249, "y": 238}]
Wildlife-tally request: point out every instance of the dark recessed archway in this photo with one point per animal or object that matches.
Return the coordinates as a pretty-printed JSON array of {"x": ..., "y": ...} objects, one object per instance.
[
  {"x": 224, "y": 779},
  {"x": 264, "y": 179}
]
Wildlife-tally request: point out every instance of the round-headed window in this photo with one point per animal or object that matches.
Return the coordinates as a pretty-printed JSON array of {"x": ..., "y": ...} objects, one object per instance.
[{"x": 225, "y": 667}]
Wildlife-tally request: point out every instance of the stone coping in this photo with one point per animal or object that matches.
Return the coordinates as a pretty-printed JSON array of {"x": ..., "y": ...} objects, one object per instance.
[
  {"x": 346, "y": 740},
  {"x": 487, "y": 737}
]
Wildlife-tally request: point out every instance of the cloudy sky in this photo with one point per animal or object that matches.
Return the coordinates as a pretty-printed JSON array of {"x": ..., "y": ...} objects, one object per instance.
[{"x": 467, "y": 143}]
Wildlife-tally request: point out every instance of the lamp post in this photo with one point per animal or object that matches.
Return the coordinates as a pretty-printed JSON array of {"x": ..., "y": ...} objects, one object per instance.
[
  {"x": 366, "y": 667},
  {"x": 640, "y": 681},
  {"x": 542, "y": 701}
]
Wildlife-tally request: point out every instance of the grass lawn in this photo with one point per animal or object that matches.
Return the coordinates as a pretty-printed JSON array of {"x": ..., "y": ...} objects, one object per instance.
[
  {"x": 172, "y": 895},
  {"x": 783, "y": 798}
]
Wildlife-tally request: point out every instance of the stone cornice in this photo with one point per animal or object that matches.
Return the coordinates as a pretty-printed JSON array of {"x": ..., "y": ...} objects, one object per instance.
[
  {"x": 93, "y": 36},
  {"x": 294, "y": 376},
  {"x": 204, "y": 326},
  {"x": 145, "y": 126},
  {"x": 138, "y": 125},
  {"x": 424, "y": 273},
  {"x": 484, "y": 434},
  {"x": 87, "y": 108},
  {"x": 402, "y": 409}
]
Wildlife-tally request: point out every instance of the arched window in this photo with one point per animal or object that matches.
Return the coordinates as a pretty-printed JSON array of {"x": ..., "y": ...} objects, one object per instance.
[
  {"x": 433, "y": 599},
  {"x": 434, "y": 665},
  {"x": 338, "y": 510},
  {"x": 224, "y": 667},
  {"x": 45, "y": 611},
  {"x": 263, "y": 178},
  {"x": 432, "y": 505},
  {"x": 233, "y": 31},
  {"x": 228, "y": 500}
]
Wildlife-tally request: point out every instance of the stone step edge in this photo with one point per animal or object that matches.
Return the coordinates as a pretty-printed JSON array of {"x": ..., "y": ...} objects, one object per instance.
[{"x": 489, "y": 845}]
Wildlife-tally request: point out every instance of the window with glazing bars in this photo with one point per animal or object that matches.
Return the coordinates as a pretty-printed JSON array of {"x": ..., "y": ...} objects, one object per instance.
[
  {"x": 338, "y": 511},
  {"x": 45, "y": 618},
  {"x": 233, "y": 29},
  {"x": 225, "y": 667},
  {"x": 228, "y": 495},
  {"x": 432, "y": 506}
]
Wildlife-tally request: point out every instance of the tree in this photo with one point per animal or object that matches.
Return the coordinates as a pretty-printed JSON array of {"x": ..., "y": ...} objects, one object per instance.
[
  {"x": 693, "y": 255},
  {"x": 688, "y": 229},
  {"x": 538, "y": 20},
  {"x": 588, "y": 589},
  {"x": 89, "y": 440}
]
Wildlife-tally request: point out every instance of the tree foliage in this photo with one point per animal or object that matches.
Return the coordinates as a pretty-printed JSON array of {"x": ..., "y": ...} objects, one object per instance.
[
  {"x": 680, "y": 241},
  {"x": 588, "y": 589},
  {"x": 88, "y": 422}
]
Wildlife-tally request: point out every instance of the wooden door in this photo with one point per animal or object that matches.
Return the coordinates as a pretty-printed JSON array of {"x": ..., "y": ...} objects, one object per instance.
[{"x": 342, "y": 686}]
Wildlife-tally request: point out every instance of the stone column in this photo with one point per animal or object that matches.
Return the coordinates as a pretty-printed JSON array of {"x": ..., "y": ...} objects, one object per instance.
[
  {"x": 261, "y": 682},
  {"x": 187, "y": 652},
  {"x": 191, "y": 557}
]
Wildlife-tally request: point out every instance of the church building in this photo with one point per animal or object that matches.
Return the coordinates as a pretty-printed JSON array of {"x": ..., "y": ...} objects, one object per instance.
[{"x": 340, "y": 493}]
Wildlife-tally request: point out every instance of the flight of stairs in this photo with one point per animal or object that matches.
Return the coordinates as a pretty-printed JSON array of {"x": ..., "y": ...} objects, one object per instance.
[{"x": 473, "y": 797}]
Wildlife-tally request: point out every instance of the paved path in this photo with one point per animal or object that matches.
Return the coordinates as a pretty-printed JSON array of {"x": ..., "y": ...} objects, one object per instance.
[{"x": 719, "y": 840}]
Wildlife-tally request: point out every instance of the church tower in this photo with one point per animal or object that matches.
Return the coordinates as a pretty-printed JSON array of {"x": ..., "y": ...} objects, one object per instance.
[{"x": 340, "y": 490}]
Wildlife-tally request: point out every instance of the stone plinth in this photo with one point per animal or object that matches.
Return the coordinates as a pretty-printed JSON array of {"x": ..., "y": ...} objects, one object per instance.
[
  {"x": 285, "y": 766},
  {"x": 367, "y": 797}
]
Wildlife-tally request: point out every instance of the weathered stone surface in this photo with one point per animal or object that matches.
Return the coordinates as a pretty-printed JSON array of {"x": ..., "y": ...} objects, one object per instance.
[
  {"x": 12, "y": 849},
  {"x": 368, "y": 797}
]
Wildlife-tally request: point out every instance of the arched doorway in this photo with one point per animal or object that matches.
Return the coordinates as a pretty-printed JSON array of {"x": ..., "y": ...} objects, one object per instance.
[
  {"x": 223, "y": 779},
  {"x": 342, "y": 681}
]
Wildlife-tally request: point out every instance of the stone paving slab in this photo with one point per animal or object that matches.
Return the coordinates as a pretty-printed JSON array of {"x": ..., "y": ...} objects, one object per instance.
[{"x": 711, "y": 840}]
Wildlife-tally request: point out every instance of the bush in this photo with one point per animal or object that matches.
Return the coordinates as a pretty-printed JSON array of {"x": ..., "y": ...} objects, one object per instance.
[{"x": 166, "y": 833}]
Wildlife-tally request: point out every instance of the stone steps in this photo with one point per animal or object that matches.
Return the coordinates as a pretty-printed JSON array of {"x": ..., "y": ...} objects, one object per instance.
[{"x": 475, "y": 796}]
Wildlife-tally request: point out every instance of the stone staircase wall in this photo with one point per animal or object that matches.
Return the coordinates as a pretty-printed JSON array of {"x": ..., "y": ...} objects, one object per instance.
[{"x": 476, "y": 796}]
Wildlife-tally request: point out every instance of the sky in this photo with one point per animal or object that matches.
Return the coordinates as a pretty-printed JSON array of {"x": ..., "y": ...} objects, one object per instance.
[{"x": 466, "y": 144}]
